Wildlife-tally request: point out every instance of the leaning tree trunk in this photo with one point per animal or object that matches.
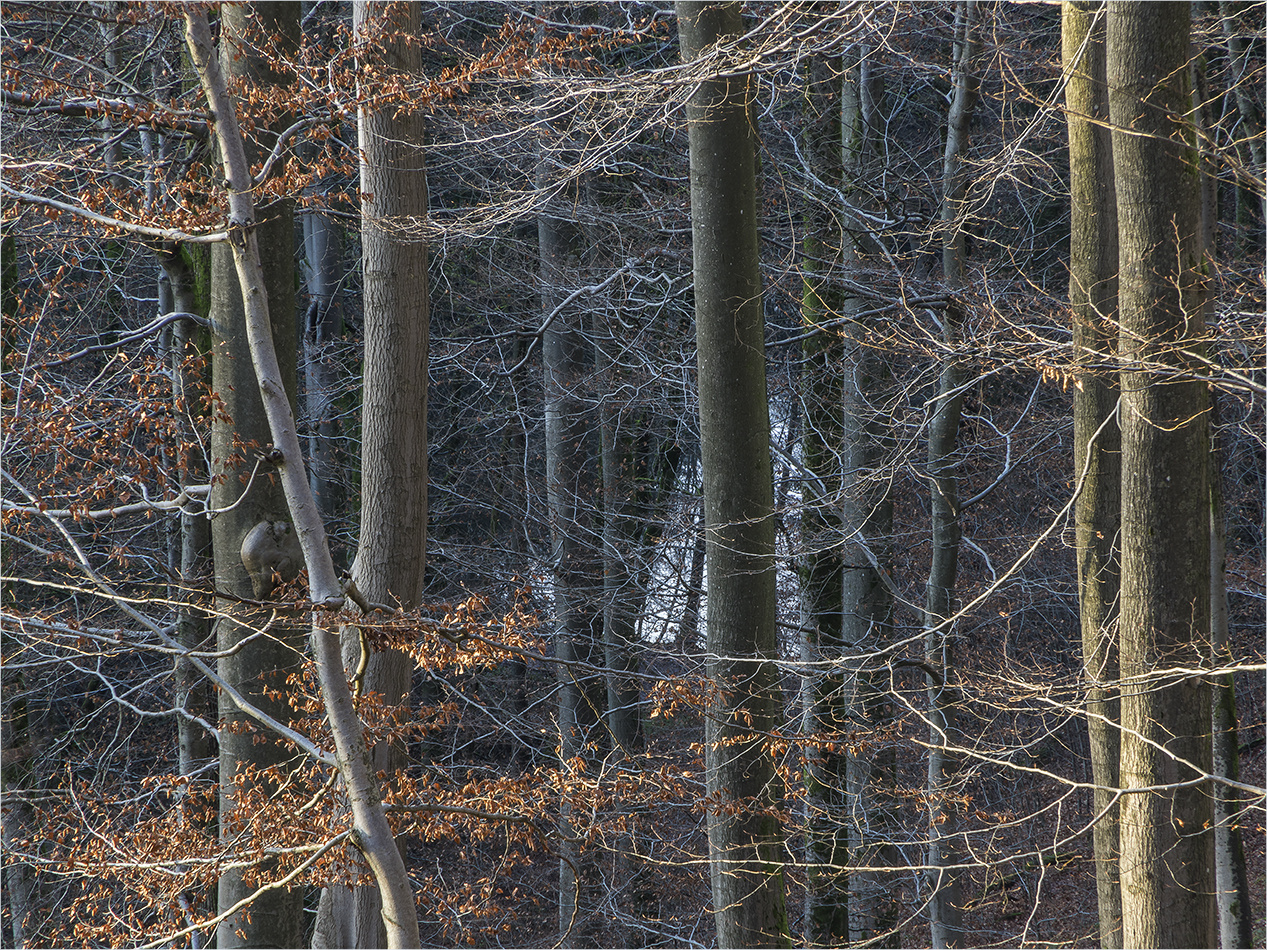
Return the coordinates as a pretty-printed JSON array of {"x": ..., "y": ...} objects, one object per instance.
[
  {"x": 745, "y": 840},
  {"x": 945, "y": 904},
  {"x": 371, "y": 831},
  {"x": 1097, "y": 442},
  {"x": 1166, "y": 838},
  {"x": 253, "y": 521},
  {"x": 391, "y": 552}
]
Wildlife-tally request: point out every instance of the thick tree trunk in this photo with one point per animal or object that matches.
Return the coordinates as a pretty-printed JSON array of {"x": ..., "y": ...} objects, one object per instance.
[
  {"x": 1167, "y": 872},
  {"x": 253, "y": 663},
  {"x": 945, "y": 903},
  {"x": 1097, "y": 442},
  {"x": 390, "y": 558},
  {"x": 745, "y": 841},
  {"x": 371, "y": 832}
]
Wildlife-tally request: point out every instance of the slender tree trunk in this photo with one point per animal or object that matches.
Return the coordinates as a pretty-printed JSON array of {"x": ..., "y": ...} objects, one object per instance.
[
  {"x": 1097, "y": 441},
  {"x": 1245, "y": 79},
  {"x": 573, "y": 487},
  {"x": 745, "y": 840},
  {"x": 945, "y": 907},
  {"x": 823, "y": 683},
  {"x": 1167, "y": 872},
  {"x": 194, "y": 568},
  {"x": 1235, "y": 912},
  {"x": 254, "y": 664},
  {"x": 322, "y": 326},
  {"x": 688, "y": 629},
  {"x": 391, "y": 553},
  {"x": 371, "y": 832},
  {"x": 867, "y": 506}
]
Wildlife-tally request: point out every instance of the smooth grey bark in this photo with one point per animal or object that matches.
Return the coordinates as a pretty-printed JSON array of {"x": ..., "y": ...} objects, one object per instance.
[
  {"x": 1097, "y": 441},
  {"x": 322, "y": 326},
  {"x": 194, "y": 568},
  {"x": 390, "y": 562},
  {"x": 1245, "y": 79},
  {"x": 371, "y": 832},
  {"x": 1235, "y": 912},
  {"x": 945, "y": 902},
  {"x": 867, "y": 518},
  {"x": 745, "y": 840},
  {"x": 823, "y": 692},
  {"x": 252, "y": 662},
  {"x": 1167, "y": 872},
  {"x": 574, "y": 496}
]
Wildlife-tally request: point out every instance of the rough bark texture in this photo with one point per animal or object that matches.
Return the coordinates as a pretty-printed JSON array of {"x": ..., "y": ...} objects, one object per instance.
[
  {"x": 1167, "y": 872},
  {"x": 390, "y": 558},
  {"x": 240, "y": 440},
  {"x": 1097, "y": 441},
  {"x": 371, "y": 832},
  {"x": 745, "y": 843},
  {"x": 945, "y": 903}
]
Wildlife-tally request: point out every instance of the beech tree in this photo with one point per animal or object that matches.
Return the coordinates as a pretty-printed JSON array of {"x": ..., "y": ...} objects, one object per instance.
[
  {"x": 1166, "y": 818},
  {"x": 744, "y": 840}
]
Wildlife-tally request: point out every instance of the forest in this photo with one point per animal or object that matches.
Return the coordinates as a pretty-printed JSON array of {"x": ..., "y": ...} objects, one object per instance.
[{"x": 619, "y": 474}]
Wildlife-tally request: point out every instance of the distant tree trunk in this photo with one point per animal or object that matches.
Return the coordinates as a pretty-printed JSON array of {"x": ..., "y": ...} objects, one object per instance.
[
  {"x": 194, "y": 570},
  {"x": 688, "y": 628},
  {"x": 945, "y": 905},
  {"x": 574, "y": 494},
  {"x": 745, "y": 841},
  {"x": 1246, "y": 79},
  {"x": 1235, "y": 911},
  {"x": 240, "y": 440},
  {"x": 390, "y": 561},
  {"x": 1167, "y": 841},
  {"x": 867, "y": 518},
  {"x": 823, "y": 683},
  {"x": 1230, "y": 872},
  {"x": 1097, "y": 441},
  {"x": 322, "y": 326}
]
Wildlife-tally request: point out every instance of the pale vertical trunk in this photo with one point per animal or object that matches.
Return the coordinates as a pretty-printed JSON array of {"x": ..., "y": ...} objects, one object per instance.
[
  {"x": 745, "y": 842},
  {"x": 867, "y": 517},
  {"x": 194, "y": 567},
  {"x": 945, "y": 903},
  {"x": 390, "y": 558},
  {"x": 323, "y": 323},
  {"x": 573, "y": 488},
  {"x": 1231, "y": 875},
  {"x": 240, "y": 437},
  {"x": 1167, "y": 873},
  {"x": 1245, "y": 79},
  {"x": 1097, "y": 442},
  {"x": 372, "y": 832}
]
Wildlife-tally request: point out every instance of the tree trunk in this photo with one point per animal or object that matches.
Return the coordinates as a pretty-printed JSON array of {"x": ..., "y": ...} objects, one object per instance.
[
  {"x": 371, "y": 832},
  {"x": 390, "y": 561},
  {"x": 194, "y": 570},
  {"x": 867, "y": 506},
  {"x": 823, "y": 683},
  {"x": 745, "y": 840},
  {"x": 945, "y": 904},
  {"x": 573, "y": 488},
  {"x": 240, "y": 440},
  {"x": 1097, "y": 441},
  {"x": 1245, "y": 79},
  {"x": 1167, "y": 873}
]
